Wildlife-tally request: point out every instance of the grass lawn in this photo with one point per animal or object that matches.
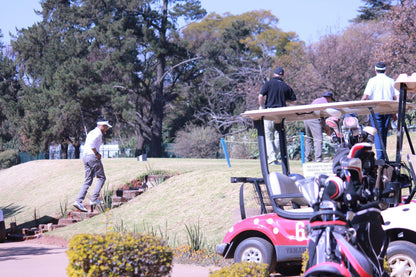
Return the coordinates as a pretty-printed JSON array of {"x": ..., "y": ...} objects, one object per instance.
[{"x": 200, "y": 192}]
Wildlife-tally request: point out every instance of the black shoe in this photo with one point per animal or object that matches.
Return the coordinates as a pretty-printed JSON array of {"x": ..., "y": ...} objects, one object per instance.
[
  {"x": 320, "y": 160},
  {"x": 277, "y": 163}
]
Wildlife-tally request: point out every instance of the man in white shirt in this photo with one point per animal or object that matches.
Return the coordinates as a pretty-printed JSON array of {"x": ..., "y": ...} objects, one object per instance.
[
  {"x": 380, "y": 87},
  {"x": 93, "y": 165}
]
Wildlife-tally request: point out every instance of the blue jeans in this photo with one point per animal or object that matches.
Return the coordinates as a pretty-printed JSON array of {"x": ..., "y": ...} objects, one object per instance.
[{"x": 383, "y": 121}]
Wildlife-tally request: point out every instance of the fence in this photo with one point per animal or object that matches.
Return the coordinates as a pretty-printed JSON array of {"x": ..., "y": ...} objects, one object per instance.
[
  {"x": 106, "y": 150},
  {"x": 25, "y": 157},
  {"x": 241, "y": 148}
]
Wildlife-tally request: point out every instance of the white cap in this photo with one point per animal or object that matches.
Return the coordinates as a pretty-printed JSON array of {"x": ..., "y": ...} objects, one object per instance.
[{"x": 104, "y": 123}]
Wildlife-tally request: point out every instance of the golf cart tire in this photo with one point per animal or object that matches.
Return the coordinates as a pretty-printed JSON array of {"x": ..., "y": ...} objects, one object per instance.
[
  {"x": 2, "y": 231},
  {"x": 401, "y": 256},
  {"x": 256, "y": 250}
]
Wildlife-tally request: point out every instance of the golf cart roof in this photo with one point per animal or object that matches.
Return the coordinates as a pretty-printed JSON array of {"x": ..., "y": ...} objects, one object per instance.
[
  {"x": 304, "y": 112},
  {"x": 410, "y": 82}
]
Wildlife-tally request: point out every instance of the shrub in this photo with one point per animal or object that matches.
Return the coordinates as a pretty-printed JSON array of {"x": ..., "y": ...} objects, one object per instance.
[
  {"x": 118, "y": 254},
  {"x": 9, "y": 158},
  {"x": 196, "y": 142},
  {"x": 243, "y": 269}
]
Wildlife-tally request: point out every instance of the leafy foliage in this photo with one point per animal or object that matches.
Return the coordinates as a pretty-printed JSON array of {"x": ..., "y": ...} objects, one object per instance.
[
  {"x": 398, "y": 49},
  {"x": 128, "y": 62},
  {"x": 246, "y": 269},
  {"x": 197, "y": 142},
  {"x": 10, "y": 110},
  {"x": 118, "y": 254},
  {"x": 237, "y": 53},
  {"x": 195, "y": 237},
  {"x": 344, "y": 63},
  {"x": 102, "y": 58},
  {"x": 8, "y": 158},
  {"x": 372, "y": 10}
]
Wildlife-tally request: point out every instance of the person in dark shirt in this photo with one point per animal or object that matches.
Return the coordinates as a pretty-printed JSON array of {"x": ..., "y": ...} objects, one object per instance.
[
  {"x": 275, "y": 93},
  {"x": 77, "y": 146},
  {"x": 64, "y": 148}
]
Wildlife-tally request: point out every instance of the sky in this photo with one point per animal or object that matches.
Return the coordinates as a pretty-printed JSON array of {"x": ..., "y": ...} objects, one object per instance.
[{"x": 310, "y": 19}]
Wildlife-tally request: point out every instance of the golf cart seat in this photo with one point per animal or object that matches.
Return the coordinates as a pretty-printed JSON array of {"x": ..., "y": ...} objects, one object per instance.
[
  {"x": 412, "y": 163},
  {"x": 411, "y": 158},
  {"x": 284, "y": 190}
]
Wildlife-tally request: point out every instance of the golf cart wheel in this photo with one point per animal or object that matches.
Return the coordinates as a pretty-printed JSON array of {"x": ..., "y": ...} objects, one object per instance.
[
  {"x": 256, "y": 250},
  {"x": 401, "y": 257}
]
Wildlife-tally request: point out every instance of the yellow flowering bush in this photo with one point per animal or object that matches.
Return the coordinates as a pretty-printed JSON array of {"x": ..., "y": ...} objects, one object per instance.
[
  {"x": 243, "y": 269},
  {"x": 118, "y": 254}
]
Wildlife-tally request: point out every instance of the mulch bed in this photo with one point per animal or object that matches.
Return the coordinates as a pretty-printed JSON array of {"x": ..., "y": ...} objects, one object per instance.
[{"x": 50, "y": 240}]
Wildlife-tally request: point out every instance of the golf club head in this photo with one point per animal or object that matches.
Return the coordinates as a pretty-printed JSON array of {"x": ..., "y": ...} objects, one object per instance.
[
  {"x": 370, "y": 130},
  {"x": 333, "y": 122},
  {"x": 333, "y": 112},
  {"x": 351, "y": 122}
]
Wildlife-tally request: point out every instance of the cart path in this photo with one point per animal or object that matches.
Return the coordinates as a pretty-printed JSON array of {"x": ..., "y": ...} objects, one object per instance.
[{"x": 21, "y": 259}]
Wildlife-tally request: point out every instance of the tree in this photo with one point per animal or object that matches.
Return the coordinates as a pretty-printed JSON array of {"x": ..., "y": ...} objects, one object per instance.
[
  {"x": 196, "y": 142},
  {"x": 163, "y": 49},
  {"x": 9, "y": 96},
  {"x": 344, "y": 63},
  {"x": 95, "y": 58},
  {"x": 398, "y": 48},
  {"x": 372, "y": 10},
  {"x": 155, "y": 61},
  {"x": 59, "y": 82},
  {"x": 238, "y": 53}
]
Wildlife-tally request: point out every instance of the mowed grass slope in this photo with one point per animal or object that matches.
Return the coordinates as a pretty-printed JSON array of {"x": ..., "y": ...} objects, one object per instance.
[{"x": 199, "y": 191}]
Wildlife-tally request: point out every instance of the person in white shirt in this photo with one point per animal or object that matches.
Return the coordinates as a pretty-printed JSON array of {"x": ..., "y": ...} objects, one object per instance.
[
  {"x": 380, "y": 87},
  {"x": 93, "y": 165}
]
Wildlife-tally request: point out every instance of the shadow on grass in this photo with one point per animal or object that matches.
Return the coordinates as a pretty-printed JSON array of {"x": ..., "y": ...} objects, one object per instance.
[
  {"x": 11, "y": 210},
  {"x": 35, "y": 223},
  {"x": 25, "y": 252}
]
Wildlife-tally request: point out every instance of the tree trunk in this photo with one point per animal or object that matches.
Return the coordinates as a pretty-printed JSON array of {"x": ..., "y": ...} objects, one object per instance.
[
  {"x": 157, "y": 118},
  {"x": 139, "y": 146},
  {"x": 158, "y": 101}
]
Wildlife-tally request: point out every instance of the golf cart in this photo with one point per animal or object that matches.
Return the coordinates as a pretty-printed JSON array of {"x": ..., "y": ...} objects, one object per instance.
[{"x": 277, "y": 236}]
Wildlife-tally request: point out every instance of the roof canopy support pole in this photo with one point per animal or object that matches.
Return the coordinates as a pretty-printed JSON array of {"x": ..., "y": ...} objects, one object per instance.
[
  {"x": 259, "y": 124},
  {"x": 412, "y": 149},
  {"x": 400, "y": 121}
]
